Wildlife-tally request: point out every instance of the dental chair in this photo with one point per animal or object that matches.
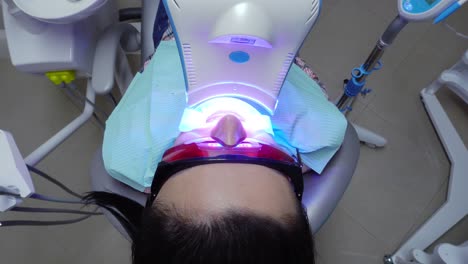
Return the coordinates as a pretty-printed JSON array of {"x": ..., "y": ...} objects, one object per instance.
[{"x": 321, "y": 192}]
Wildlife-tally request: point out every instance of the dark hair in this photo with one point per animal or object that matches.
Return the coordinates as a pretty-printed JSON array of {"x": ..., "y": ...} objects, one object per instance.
[{"x": 161, "y": 234}]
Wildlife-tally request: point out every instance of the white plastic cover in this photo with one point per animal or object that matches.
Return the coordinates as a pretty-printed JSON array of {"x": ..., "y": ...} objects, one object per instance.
[
  {"x": 240, "y": 48},
  {"x": 59, "y": 11},
  {"x": 14, "y": 176}
]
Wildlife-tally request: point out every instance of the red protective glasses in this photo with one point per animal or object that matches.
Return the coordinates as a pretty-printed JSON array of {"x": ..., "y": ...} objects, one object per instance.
[{"x": 186, "y": 156}]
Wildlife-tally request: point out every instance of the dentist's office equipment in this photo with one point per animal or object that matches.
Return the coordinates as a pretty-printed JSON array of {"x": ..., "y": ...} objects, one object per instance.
[
  {"x": 59, "y": 43},
  {"x": 241, "y": 46},
  {"x": 321, "y": 192},
  {"x": 14, "y": 176},
  {"x": 444, "y": 253},
  {"x": 221, "y": 49},
  {"x": 456, "y": 79},
  {"x": 70, "y": 39},
  {"x": 420, "y": 10},
  {"x": 409, "y": 11},
  {"x": 456, "y": 207},
  {"x": 40, "y": 41}
]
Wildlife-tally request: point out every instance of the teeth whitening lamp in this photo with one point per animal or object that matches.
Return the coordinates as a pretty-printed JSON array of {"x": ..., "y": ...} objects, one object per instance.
[{"x": 240, "y": 49}]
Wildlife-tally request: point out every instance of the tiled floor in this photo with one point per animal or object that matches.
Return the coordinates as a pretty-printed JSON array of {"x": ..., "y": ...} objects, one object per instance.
[{"x": 393, "y": 190}]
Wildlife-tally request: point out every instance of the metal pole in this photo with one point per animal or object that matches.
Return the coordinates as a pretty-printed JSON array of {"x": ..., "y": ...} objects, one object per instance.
[
  {"x": 345, "y": 101},
  {"x": 41, "y": 152}
]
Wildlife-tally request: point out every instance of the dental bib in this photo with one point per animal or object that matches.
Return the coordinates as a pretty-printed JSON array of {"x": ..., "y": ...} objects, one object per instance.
[{"x": 154, "y": 111}]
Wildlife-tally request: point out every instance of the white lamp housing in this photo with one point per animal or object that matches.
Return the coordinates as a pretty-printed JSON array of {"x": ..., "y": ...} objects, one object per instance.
[
  {"x": 239, "y": 48},
  {"x": 53, "y": 35}
]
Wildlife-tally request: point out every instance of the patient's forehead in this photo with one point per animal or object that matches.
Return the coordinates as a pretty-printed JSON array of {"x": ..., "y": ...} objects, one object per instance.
[{"x": 220, "y": 187}]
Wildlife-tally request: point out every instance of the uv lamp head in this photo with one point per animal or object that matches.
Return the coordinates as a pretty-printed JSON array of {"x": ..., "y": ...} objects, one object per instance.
[{"x": 239, "y": 48}]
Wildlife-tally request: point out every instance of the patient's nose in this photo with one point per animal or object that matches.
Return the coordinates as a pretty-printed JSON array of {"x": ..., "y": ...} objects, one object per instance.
[{"x": 229, "y": 131}]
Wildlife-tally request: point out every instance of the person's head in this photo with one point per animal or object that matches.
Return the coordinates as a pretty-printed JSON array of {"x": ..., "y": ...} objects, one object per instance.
[{"x": 217, "y": 212}]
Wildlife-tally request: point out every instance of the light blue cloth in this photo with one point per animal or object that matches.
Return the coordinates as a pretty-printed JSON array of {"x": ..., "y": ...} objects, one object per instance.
[
  {"x": 306, "y": 120},
  {"x": 146, "y": 121}
]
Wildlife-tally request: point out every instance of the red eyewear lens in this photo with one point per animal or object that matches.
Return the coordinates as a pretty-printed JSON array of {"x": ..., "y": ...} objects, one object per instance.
[
  {"x": 214, "y": 149},
  {"x": 186, "y": 156}
]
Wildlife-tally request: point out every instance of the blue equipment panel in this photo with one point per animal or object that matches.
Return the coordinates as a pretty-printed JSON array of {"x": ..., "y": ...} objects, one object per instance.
[{"x": 418, "y": 6}]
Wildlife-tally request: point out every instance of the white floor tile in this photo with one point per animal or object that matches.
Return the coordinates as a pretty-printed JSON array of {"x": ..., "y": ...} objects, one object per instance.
[
  {"x": 391, "y": 186},
  {"x": 343, "y": 239}
]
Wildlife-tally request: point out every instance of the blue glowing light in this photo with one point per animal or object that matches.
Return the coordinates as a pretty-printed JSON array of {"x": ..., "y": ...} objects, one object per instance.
[
  {"x": 247, "y": 95},
  {"x": 208, "y": 113},
  {"x": 408, "y": 6}
]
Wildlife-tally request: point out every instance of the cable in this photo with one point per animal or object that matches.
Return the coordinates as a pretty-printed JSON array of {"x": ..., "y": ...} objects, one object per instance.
[
  {"x": 455, "y": 31},
  {"x": 53, "y": 199},
  {"x": 99, "y": 121},
  {"x": 79, "y": 100},
  {"x": 45, "y": 223},
  {"x": 10, "y": 194},
  {"x": 52, "y": 210},
  {"x": 54, "y": 181},
  {"x": 111, "y": 96},
  {"x": 42, "y": 223},
  {"x": 76, "y": 93}
]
